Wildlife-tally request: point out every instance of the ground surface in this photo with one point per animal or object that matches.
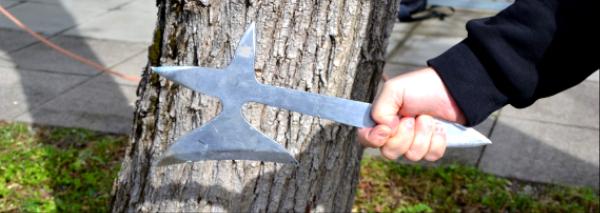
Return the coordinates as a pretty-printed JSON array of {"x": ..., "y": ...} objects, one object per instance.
[
  {"x": 554, "y": 141},
  {"x": 45, "y": 169}
]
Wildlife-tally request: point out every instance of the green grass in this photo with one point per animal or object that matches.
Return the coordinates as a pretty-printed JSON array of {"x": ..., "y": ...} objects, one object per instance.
[
  {"x": 56, "y": 169},
  {"x": 72, "y": 170},
  {"x": 386, "y": 186}
]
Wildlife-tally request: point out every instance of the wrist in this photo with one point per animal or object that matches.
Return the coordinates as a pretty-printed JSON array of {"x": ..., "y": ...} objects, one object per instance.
[{"x": 450, "y": 109}]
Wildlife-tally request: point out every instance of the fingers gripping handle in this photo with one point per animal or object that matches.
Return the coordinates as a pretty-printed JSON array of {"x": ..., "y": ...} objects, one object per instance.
[{"x": 354, "y": 113}]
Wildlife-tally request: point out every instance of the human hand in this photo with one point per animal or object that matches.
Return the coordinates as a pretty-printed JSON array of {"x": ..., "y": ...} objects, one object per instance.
[{"x": 403, "y": 112}]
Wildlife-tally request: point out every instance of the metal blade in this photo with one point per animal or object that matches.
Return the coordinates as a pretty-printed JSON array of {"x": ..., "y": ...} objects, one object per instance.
[
  {"x": 459, "y": 136},
  {"x": 227, "y": 137}
]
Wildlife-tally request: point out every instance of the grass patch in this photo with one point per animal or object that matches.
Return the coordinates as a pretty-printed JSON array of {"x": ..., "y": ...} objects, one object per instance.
[
  {"x": 72, "y": 170},
  {"x": 386, "y": 186},
  {"x": 57, "y": 169}
]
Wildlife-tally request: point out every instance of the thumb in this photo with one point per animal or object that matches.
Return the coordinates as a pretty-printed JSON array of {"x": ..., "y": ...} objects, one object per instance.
[{"x": 387, "y": 105}]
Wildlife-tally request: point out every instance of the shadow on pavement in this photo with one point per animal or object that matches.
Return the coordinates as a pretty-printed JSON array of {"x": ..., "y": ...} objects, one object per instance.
[
  {"x": 46, "y": 87},
  {"x": 41, "y": 86}
]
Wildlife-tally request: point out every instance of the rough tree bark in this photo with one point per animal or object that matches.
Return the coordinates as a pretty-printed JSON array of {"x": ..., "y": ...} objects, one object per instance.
[{"x": 332, "y": 47}]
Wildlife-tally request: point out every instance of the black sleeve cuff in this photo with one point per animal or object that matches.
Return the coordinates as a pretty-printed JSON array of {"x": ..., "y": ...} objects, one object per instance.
[{"x": 468, "y": 82}]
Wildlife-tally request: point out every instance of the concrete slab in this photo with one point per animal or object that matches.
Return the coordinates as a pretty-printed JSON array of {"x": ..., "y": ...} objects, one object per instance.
[
  {"x": 132, "y": 66},
  {"x": 453, "y": 26},
  {"x": 21, "y": 90},
  {"x": 419, "y": 48},
  {"x": 391, "y": 70},
  {"x": 138, "y": 27},
  {"x": 48, "y": 18},
  {"x": 143, "y": 6},
  {"x": 5, "y": 61},
  {"x": 9, "y": 3},
  {"x": 543, "y": 152},
  {"x": 103, "y": 5},
  {"x": 13, "y": 40},
  {"x": 577, "y": 106},
  {"x": 595, "y": 77},
  {"x": 400, "y": 31},
  {"x": 94, "y": 105},
  {"x": 108, "y": 53},
  {"x": 395, "y": 41}
]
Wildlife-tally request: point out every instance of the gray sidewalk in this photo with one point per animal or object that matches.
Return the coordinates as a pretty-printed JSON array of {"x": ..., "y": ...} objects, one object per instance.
[
  {"x": 42, "y": 86},
  {"x": 555, "y": 140}
]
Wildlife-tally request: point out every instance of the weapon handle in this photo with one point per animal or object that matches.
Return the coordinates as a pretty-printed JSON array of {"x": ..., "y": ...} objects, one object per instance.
[{"x": 354, "y": 113}]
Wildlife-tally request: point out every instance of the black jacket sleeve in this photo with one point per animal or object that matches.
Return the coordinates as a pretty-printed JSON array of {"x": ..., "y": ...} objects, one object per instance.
[{"x": 530, "y": 50}]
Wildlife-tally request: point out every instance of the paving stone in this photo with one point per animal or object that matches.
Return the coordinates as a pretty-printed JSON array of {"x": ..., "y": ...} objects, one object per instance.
[
  {"x": 95, "y": 105},
  {"x": 391, "y": 70},
  {"x": 454, "y": 26},
  {"x": 107, "y": 53},
  {"x": 132, "y": 67},
  {"x": 20, "y": 90},
  {"x": 403, "y": 27},
  {"x": 419, "y": 48},
  {"x": 14, "y": 39},
  {"x": 103, "y": 5},
  {"x": 5, "y": 61},
  {"x": 138, "y": 27},
  {"x": 543, "y": 152},
  {"x": 48, "y": 18},
  {"x": 399, "y": 33},
  {"x": 141, "y": 6},
  {"x": 595, "y": 77},
  {"x": 394, "y": 41},
  {"x": 577, "y": 106},
  {"x": 9, "y": 3}
]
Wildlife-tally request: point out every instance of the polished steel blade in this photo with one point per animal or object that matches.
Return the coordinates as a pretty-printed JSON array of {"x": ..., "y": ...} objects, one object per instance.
[{"x": 230, "y": 137}]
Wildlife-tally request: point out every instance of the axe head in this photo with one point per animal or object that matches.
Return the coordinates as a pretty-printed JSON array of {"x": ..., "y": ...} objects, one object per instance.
[{"x": 228, "y": 136}]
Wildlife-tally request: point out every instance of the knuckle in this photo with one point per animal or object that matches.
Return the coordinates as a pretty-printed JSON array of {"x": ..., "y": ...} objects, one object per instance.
[
  {"x": 378, "y": 143},
  {"x": 378, "y": 116},
  {"x": 375, "y": 143}
]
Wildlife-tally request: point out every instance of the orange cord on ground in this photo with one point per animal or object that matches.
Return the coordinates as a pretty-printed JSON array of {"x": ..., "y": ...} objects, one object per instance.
[{"x": 66, "y": 52}]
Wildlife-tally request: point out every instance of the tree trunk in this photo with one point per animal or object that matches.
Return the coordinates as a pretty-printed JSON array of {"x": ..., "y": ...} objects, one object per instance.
[{"x": 330, "y": 47}]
